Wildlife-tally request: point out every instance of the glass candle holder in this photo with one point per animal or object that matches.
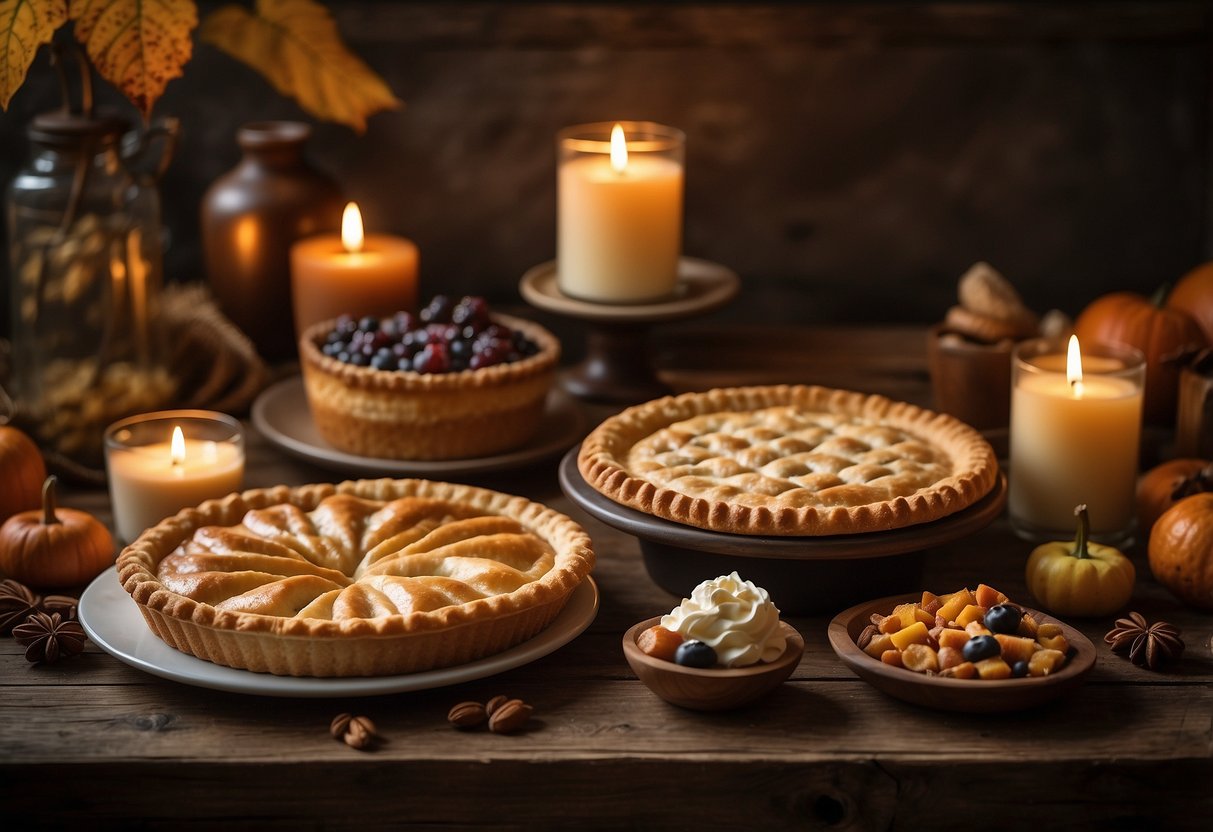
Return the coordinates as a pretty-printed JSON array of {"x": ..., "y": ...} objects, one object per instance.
[
  {"x": 1072, "y": 442},
  {"x": 619, "y": 222},
  {"x": 160, "y": 463}
]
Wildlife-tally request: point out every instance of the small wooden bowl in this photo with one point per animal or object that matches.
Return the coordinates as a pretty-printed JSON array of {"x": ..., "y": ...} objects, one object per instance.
[
  {"x": 943, "y": 693},
  {"x": 711, "y": 689}
]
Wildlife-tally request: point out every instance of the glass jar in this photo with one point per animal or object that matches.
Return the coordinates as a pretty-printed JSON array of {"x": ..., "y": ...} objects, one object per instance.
[{"x": 86, "y": 272}]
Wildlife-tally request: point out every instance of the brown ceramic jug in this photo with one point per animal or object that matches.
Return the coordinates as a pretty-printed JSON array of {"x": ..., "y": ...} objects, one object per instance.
[{"x": 251, "y": 216}]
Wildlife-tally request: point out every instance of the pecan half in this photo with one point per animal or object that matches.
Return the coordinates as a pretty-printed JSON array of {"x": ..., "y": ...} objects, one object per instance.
[
  {"x": 510, "y": 716},
  {"x": 467, "y": 715},
  {"x": 495, "y": 703}
]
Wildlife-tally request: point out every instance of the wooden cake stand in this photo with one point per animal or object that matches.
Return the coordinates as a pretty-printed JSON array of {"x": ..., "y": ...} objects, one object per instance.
[{"x": 618, "y": 365}]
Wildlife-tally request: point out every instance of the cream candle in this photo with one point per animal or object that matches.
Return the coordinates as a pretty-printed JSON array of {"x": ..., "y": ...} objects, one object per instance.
[
  {"x": 160, "y": 463},
  {"x": 352, "y": 274},
  {"x": 619, "y": 220},
  {"x": 1074, "y": 438}
]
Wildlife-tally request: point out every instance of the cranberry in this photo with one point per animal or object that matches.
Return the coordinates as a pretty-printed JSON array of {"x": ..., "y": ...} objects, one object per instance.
[
  {"x": 471, "y": 311},
  {"x": 434, "y": 358}
]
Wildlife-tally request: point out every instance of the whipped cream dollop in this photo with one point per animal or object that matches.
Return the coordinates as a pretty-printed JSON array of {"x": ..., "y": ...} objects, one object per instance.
[{"x": 734, "y": 616}]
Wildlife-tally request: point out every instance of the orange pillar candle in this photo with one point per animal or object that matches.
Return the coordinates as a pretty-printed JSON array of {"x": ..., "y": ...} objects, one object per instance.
[{"x": 352, "y": 274}]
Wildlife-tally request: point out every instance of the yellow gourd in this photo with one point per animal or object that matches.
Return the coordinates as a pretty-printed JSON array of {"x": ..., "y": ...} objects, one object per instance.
[{"x": 1080, "y": 578}]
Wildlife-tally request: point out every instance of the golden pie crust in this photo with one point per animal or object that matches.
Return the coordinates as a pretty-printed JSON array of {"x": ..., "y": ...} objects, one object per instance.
[
  {"x": 365, "y": 578},
  {"x": 788, "y": 460},
  {"x": 391, "y": 414}
]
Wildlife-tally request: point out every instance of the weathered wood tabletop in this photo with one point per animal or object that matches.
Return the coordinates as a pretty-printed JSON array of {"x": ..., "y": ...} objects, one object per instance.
[{"x": 97, "y": 744}]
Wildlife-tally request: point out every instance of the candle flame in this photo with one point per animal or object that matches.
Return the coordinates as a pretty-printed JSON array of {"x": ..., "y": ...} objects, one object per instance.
[
  {"x": 351, "y": 228},
  {"x": 177, "y": 448},
  {"x": 619, "y": 149},
  {"x": 1074, "y": 366}
]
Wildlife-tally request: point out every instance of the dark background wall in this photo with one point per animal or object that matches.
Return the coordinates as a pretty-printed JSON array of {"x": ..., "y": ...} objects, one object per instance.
[{"x": 850, "y": 160}]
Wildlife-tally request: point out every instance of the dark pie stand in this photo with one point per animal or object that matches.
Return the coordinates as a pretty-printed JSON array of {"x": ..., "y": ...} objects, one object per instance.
[{"x": 93, "y": 743}]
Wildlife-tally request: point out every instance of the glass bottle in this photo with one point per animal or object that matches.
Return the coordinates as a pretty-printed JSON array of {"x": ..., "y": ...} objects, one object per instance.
[{"x": 85, "y": 265}]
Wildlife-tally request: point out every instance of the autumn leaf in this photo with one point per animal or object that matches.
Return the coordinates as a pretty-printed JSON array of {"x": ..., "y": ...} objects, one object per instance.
[
  {"x": 24, "y": 26},
  {"x": 295, "y": 45},
  {"x": 136, "y": 45}
]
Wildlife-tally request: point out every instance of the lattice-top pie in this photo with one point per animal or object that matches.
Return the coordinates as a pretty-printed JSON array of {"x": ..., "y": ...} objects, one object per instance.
[
  {"x": 788, "y": 460},
  {"x": 365, "y": 578}
]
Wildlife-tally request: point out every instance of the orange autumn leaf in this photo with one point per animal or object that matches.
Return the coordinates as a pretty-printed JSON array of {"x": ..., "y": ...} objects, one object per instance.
[
  {"x": 137, "y": 46},
  {"x": 295, "y": 45},
  {"x": 24, "y": 26}
]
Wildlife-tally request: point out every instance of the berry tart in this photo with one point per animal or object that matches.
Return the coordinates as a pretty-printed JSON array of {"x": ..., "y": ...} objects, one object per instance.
[
  {"x": 366, "y": 578},
  {"x": 456, "y": 381},
  {"x": 788, "y": 460}
]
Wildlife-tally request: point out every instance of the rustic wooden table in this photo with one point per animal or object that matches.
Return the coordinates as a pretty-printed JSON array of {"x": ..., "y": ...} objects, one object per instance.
[{"x": 94, "y": 743}]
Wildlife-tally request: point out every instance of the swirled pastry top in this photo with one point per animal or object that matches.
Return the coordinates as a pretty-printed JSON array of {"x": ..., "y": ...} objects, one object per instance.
[
  {"x": 337, "y": 561},
  {"x": 788, "y": 460}
]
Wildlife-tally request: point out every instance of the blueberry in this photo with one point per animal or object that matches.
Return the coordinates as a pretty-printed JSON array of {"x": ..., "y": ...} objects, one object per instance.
[
  {"x": 1003, "y": 618},
  {"x": 438, "y": 311},
  {"x": 369, "y": 324},
  {"x": 358, "y": 359},
  {"x": 1019, "y": 669},
  {"x": 346, "y": 325},
  {"x": 433, "y": 359},
  {"x": 981, "y": 647},
  {"x": 404, "y": 364},
  {"x": 695, "y": 654},
  {"x": 384, "y": 361}
]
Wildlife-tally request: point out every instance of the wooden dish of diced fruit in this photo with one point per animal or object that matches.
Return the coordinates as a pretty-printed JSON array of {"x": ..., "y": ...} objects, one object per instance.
[{"x": 971, "y": 650}]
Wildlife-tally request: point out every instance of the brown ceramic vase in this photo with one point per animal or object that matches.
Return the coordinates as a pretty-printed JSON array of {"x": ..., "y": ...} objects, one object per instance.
[{"x": 251, "y": 216}]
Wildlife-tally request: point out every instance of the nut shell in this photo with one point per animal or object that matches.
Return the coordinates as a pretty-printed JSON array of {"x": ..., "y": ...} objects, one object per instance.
[
  {"x": 510, "y": 717},
  {"x": 467, "y": 715}
]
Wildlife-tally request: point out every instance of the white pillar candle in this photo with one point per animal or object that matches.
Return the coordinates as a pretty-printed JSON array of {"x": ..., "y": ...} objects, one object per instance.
[
  {"x": 1074, "y": 438},
  {"x": 619, "y": 223},
  {"x": 160, "y": 463}
]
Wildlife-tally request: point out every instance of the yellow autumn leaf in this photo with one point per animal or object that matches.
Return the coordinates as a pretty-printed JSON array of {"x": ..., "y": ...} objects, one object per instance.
[
  {"x": 24, "y": 26},
  {"x": 136, "y": 45},
  {"x": 295, "y": 45}
]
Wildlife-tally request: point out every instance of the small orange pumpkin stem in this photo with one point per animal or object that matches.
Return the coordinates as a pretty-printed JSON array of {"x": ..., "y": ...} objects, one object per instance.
[
  {"x": 1084, "y": 530},
  {"x": 49, "y": 518},
  {"x": 1160, "y": 296}
]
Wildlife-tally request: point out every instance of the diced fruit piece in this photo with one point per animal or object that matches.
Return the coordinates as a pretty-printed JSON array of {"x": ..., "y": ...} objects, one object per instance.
[
  {"x": 878, "y": 645},
  {"x": 909, "y": 613},
  {"x": 930, "y": 602},
  {"x": 1015, "y": 648},
  {"x": 916, "y": 633},
  {"x": 950, "y": 657},
  {"x": 955, "y": 602},
  {"x": 920, "y": 658},
  {"x": 964, "y": 670},
  {"x": 988, "y": 596},
  {"x": 1003, "y": 618},
  {"x": 659, "y": 643},
  {"x": 1028, "y": 626},
  {"x": 1047, "y": 629},
  {"x": 891, "y": 624},
  {"x": 892, "y": 657},
  {"x": 1057, "y": 642},
  {"x": 970, "y": 613},
  {"x": 976, "y": 628},
  {"x": 956, "y": 639},
  {"x": 1044, "y": 662},
  {"x": 994, "y": 668},
  {"x": 981, "y": 647},
  {"x": 695, "y": 654}
]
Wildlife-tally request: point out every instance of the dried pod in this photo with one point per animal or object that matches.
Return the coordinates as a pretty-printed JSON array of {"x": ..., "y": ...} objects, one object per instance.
[
  {"x": 510, "y": 717},
  {"x": 467, "y": 715}
]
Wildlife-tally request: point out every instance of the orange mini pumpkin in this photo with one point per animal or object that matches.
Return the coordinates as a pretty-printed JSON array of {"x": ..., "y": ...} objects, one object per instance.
[
  {"x": 1193, "y": 295},
  {"x": 1161, "y": 334},
  {"x": 24, "y": 472},
  {"x": 54, "y": 547},
  {"x": 1166, "y": 484},
  {"x": 1181, "y": 550}
]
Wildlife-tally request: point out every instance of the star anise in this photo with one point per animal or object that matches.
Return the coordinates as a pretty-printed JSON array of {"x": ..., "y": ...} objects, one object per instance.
[
  {"x": 1148, "y": 645},
  {"x": 17, "y": 603},
  {"x": 47, "y": 637}
]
